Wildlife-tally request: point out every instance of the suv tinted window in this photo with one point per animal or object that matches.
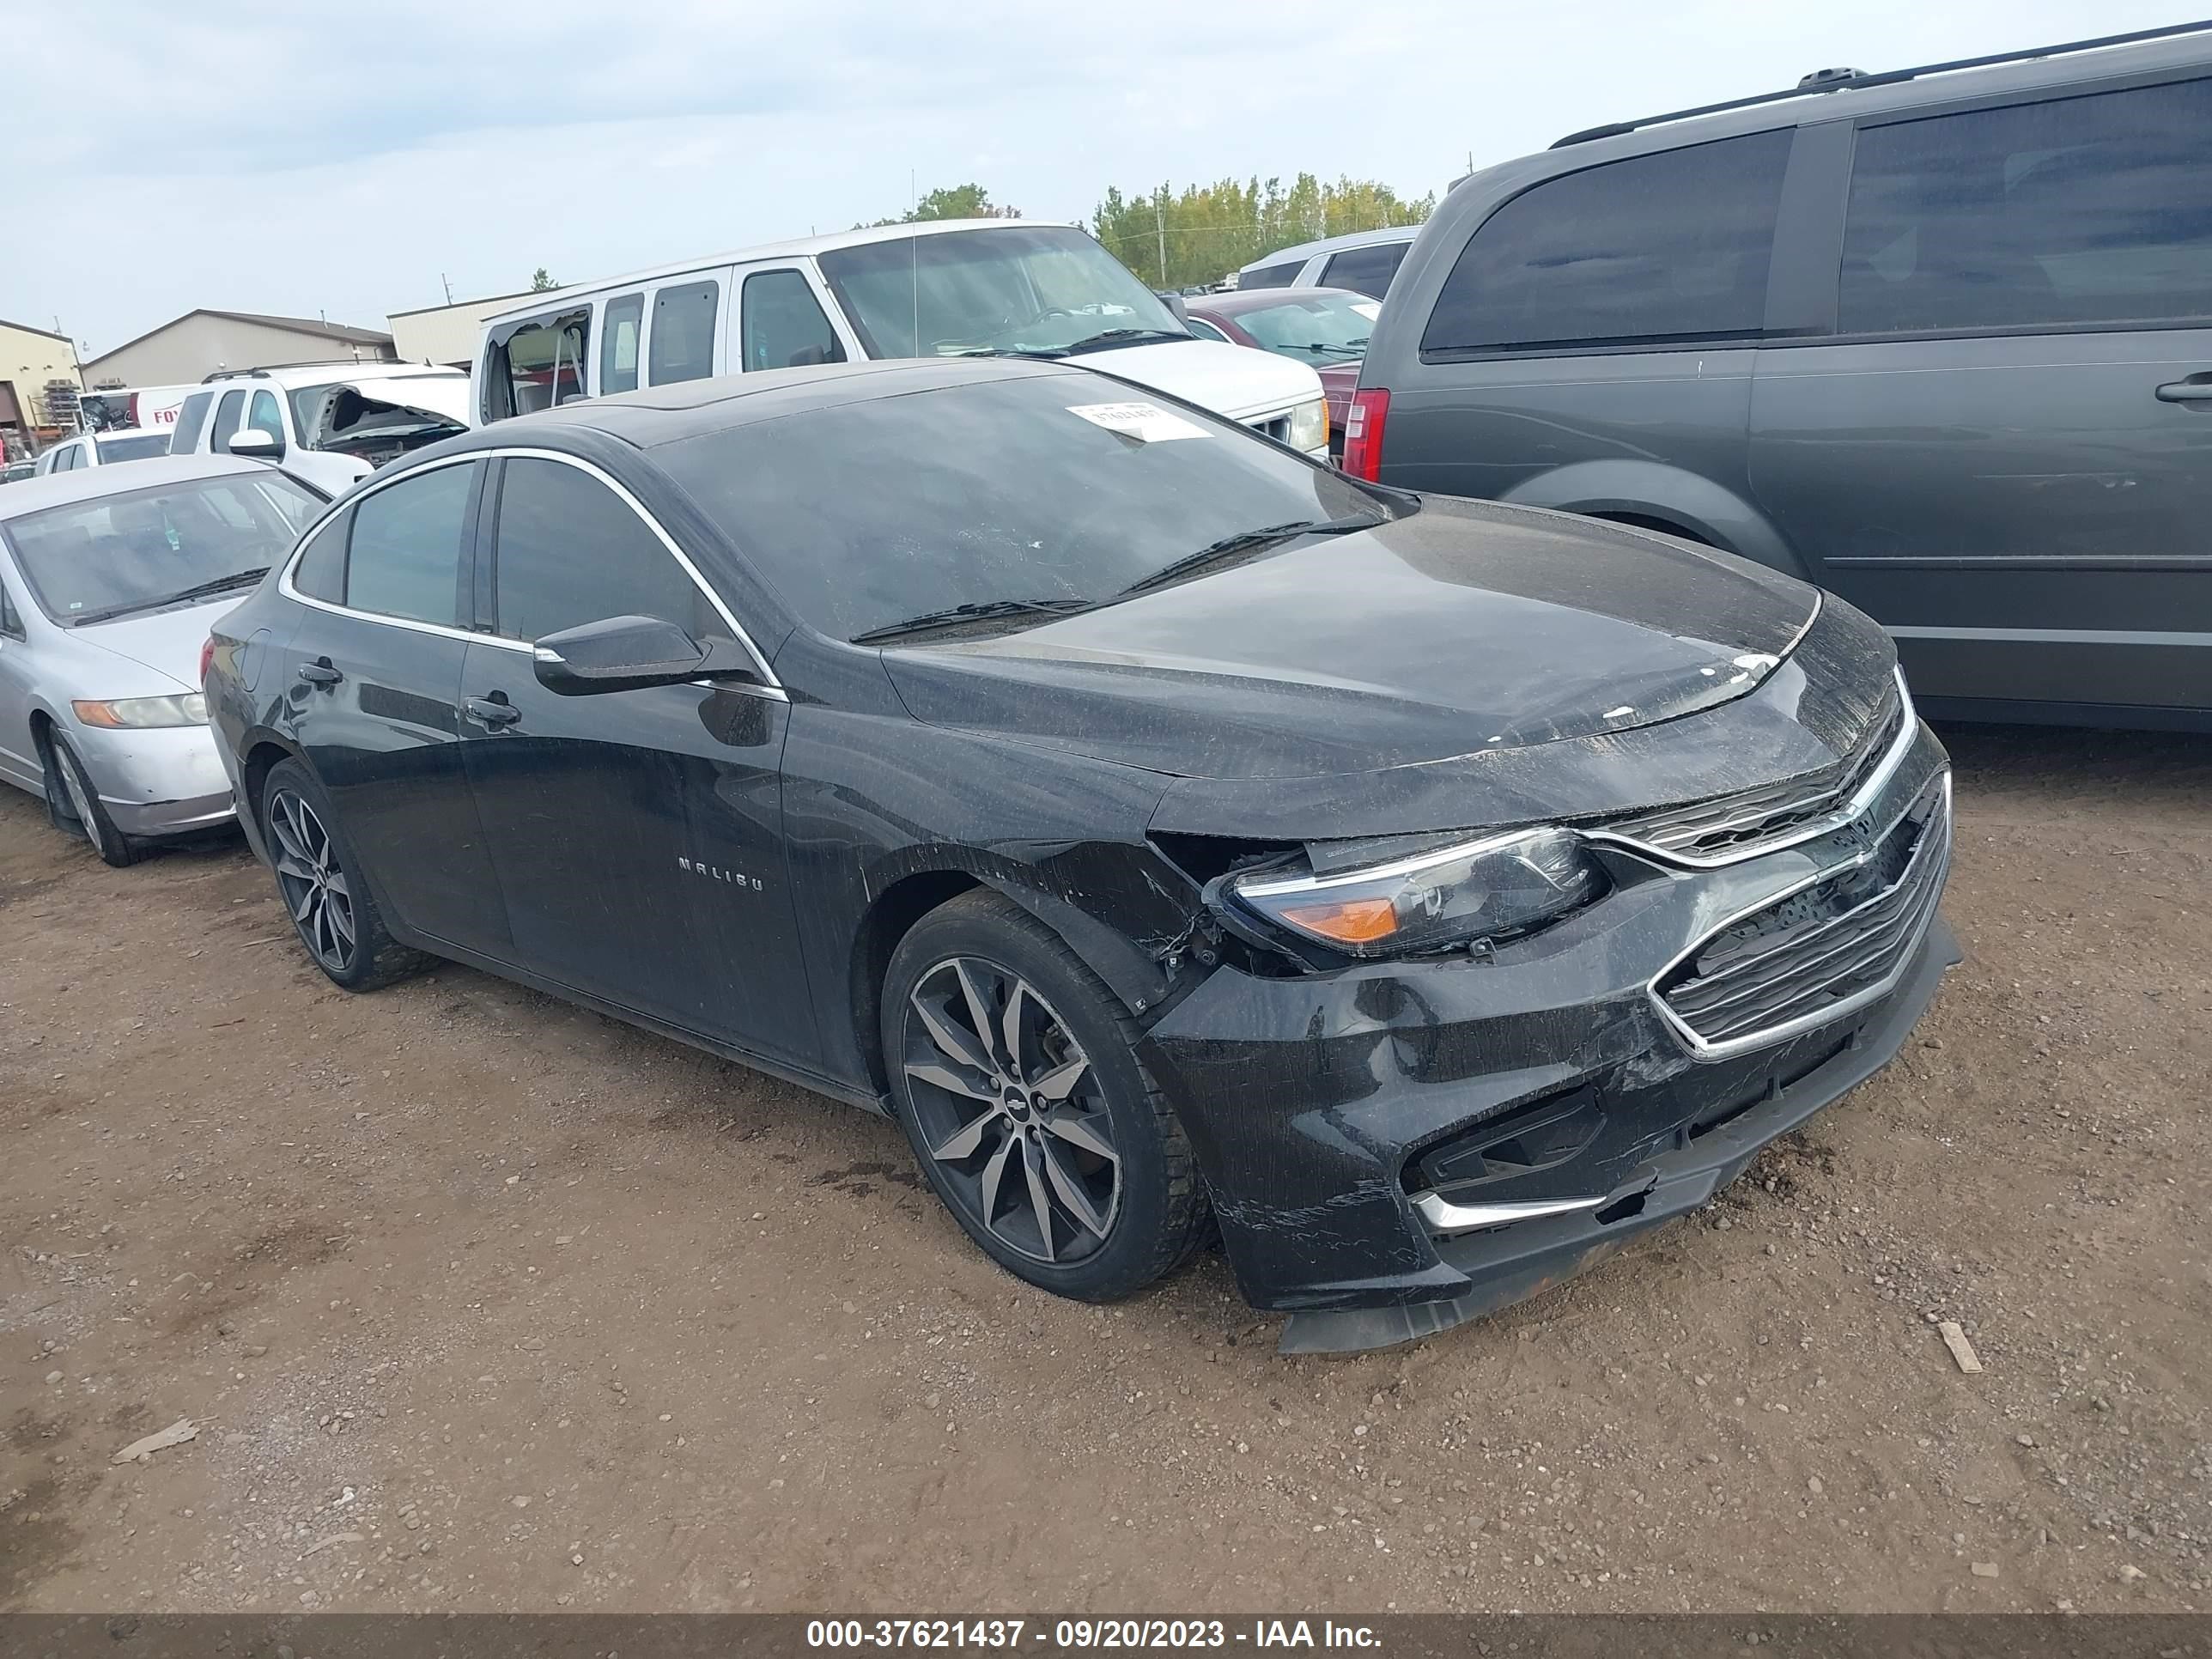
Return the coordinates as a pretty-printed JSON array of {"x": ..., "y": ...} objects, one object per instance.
[
  {"x": 1272, "y": 275},
  {"x": 1369, "y": 269},
  {"x": 618, "y": 329},
  {"x": 403, "y": 558},
  {"x": 2086, "y": 210},
  {"x": 784, "y": 324},
  {"x": 1670, "y": 246},
  {"x": 571, "y": 551},
  {"x": 682, "y": 346},
  {"x": 190, "y": 419}
]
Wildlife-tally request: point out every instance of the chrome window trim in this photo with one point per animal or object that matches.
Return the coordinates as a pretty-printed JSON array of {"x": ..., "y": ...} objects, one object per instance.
[
  {"x": 1729, "y": 1047},
  {"x": 769, "y": 686},
  {"x": 1846, "y": 811}
]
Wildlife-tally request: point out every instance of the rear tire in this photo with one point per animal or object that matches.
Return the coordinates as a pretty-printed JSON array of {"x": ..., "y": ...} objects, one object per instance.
[
  {"x": 1016, "y": 1077},
  {"x": 72, "y": 802},
  {"x": 320, "y": 883}
]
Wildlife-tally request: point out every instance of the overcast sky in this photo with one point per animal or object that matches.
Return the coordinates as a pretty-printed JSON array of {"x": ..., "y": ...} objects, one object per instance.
[{"x": 304, "y": 158}]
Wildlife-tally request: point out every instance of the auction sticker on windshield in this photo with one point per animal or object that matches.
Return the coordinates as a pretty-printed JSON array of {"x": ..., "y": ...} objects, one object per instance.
[{"x": 1148, "y": 423}]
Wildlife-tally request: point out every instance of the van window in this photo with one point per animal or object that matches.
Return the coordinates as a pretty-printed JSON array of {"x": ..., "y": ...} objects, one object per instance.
[
  {"x": 227, "y": 414},
  {"x": 1272, "y": 275},
  {"x": 683, "y": 343},
  {"x": 784, "y": 324},
  {"x": 1670, "y": 246},
  {"x": 618, "y": 329},
  {"x": 535, "y": 365},
  {"x": 1367, "y": 269},
  {"x": 2090, "y": 209},
  {"x": 190, "y": 419}
]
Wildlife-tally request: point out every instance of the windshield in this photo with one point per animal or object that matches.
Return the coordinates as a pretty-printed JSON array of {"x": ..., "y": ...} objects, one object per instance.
[
  {"x": 1314, "y": 328},
  {"x": 1057, "y": 487},
  {"x": 1018, "y": 289},
  {"x": 135, "y": 447},
  {"x": 142, "y": 548},
  {"x": 307, "y": 400}
]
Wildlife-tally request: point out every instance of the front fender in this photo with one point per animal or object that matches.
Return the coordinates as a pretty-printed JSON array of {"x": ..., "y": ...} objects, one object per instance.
[{"x": 1666, "y": 497}]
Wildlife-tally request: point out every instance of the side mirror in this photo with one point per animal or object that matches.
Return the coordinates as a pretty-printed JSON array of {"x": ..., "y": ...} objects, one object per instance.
[
  {"x": 626, "y": 654},
  {"x": 1174, "y": 303},
  {"x": 253, "y": 442}
]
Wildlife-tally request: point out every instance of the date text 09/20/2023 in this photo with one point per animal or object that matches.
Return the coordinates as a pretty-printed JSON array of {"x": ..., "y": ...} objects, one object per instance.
[{"x": 1061, "y": 1634}]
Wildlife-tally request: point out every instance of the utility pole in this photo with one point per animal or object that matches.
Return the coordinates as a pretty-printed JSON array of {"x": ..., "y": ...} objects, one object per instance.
[{"x": 1160, "y": 224}]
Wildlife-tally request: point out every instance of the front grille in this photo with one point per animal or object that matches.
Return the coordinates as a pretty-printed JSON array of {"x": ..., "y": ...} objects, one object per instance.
[
  {"x": 1276, "y": 427},
  {"x": 1822, "y": 952},
  {"x": 1743, "y": 825}
]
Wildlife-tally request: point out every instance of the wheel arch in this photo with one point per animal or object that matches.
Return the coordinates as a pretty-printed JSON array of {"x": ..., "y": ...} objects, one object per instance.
[
  {"x": 259, "y": 752},
  {"x": 1653, "y": 495}
]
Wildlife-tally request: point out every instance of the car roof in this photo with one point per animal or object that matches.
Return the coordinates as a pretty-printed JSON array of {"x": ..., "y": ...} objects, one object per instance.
[
  {"x": 88, "y": 484},
  {"x": 1231, "y": 302},
  {"x": 1306, "y": 250},
  {"x": 797, "y": 247},
  {"x": 667, "y": 414}
]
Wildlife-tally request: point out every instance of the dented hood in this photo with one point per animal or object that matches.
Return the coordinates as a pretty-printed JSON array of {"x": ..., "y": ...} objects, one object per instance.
[
  {"x": 1461, "y": 628},
  {"x": 423, "y": 409}
]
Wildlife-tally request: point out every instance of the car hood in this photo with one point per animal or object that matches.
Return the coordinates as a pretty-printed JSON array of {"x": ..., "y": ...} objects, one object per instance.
[
  {"x": 1461, "y": 628},
  {"x": 1233, "y": 380},
  {"x": 433, "y": 407},
  {"x": 166, "y": 641}
]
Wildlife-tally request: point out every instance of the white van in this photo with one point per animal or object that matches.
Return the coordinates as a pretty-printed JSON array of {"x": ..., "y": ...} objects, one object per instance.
[{"x": 959, "y": 287}]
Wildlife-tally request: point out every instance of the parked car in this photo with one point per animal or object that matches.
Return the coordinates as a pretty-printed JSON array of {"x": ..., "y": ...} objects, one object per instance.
[
  {"x": 332, "y": 422},
  {"x": 958, "y": 288},
  {"x": 10, "y": 471},
  {"x": 107, "y": 584},
  {"x": 1168, "y": 830},
  {"x": 1325, "y": 327},
  {"x": 85, "y": 449},
  {"x": 1939, "y": 341},
  {"x": 1366, "y": 261}
]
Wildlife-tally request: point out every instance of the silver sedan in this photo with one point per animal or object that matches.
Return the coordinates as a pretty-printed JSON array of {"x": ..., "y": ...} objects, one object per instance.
[{"x": 109, "y": 578}]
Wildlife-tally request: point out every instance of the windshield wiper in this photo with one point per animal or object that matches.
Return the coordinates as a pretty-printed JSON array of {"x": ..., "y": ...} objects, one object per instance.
[
  {"x": 1113, "y": 337},
  {"x": 197, "y": 591},
  {"x": 1247, "y": 541},
  {"x": 980, "y": 611}
]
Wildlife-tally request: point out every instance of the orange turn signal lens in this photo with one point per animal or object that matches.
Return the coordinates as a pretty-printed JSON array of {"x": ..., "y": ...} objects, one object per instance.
[
  {"x": 98, "y": 713},
  {"x": 1348, "y": 921}
]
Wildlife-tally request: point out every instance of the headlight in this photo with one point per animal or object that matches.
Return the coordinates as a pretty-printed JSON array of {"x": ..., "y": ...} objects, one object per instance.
[
  {"x": 1489, "y": 889},
  {"x": 140, "y": 712},
  {"x": 1309, "y": 425}
]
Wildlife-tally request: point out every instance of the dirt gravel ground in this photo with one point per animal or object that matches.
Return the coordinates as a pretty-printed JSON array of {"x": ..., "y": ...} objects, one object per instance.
[{"x": 479, "y": 1302}]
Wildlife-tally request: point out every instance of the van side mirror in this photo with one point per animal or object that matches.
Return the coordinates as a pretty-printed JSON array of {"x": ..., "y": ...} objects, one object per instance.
[
  {"x": 628, "y": 653},
  {"x": 252, "y": 442}
]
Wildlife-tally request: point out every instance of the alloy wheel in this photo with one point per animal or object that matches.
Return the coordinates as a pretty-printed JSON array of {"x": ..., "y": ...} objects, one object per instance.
[
  {"x": 1009, "y": 1106},
  {"x": 315, "y": 888}
]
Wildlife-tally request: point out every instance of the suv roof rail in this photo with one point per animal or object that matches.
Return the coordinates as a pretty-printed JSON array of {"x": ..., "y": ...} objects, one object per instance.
[
  {"x": 1830, "y": 80},
  {"x": 263, "y": 372}
]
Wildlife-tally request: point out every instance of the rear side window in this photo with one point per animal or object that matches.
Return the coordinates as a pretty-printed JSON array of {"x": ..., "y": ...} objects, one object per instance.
[
  {"x": 227, "y": 414},
  {"x": 784, "y": 324},
  {"x": 1368, "y": 270},
  {"x": 535, "y": 365},
  {"x": 404, "y": 557},
  {"x": 571, "y": 551},
  {"x": 619, "y": 326},
  {"x": 190, "y": 418},
  {"x": 320, "y": 572},
  {"x": 1664, "y": 247},
  {"x": 2091, "y": 209},
  {"x": 10, "y": 624},
  {"x": 1272, "y": 275},
  {"x": 683, "y": 341}
]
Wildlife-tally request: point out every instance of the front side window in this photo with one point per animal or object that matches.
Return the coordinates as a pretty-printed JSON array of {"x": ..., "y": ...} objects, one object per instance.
[
  {"x": 970, "y": 293},
  {"x": 619, "y": 326},
  {"x": 2089, "y": 210},
  {"x": 404, "y": 557},
  {"x": 1365, "y": 270},
  {"x": 190, "y": 418},
  {"x": 784, "y": 324},
  {"x": 1672, "y": 247},
  {"x": 571, "y": 551},
  {"x": 535, "y": 365},
  {"x": 682, "y": 346},
  {"x": 1058, "y": 487},
  {"x": 227, "y": 414},
  {"x": 264, "y": 415},
  {"x": 91, "y": 560}
]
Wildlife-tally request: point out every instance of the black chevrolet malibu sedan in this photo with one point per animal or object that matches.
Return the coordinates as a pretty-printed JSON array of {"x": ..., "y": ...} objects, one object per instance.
[{"x": 1174, "y": 835}]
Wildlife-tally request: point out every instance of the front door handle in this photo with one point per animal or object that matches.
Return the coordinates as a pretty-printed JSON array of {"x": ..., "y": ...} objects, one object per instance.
[
  {"x": 319, "y": 673},
  {"x": 2196, "y": 389},
  {"x": 491, "y": 713}
]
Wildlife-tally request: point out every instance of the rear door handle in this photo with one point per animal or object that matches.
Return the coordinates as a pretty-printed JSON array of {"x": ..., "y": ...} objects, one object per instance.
[
  {"x": 2196, "y": 389},
  {"x": 319, "y": 673},
  {"x": 491, "y": 714}
]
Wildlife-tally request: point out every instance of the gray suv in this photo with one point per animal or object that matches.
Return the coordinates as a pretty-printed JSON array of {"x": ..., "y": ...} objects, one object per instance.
[{"x": 1939, "y": 340}]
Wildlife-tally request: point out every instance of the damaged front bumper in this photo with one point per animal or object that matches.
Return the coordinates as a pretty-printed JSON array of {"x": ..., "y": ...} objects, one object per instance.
[{"x": 1395, "y": 1147}]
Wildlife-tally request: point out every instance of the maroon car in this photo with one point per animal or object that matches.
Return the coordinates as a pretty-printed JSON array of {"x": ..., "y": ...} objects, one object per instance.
[{"x": 1326, "y": 327}]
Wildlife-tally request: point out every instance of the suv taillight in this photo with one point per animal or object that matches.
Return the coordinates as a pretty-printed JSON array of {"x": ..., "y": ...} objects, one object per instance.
[{"x": 1363, "y": 433}]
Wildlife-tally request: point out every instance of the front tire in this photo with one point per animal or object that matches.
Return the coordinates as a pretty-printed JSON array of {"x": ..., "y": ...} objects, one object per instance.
[
  {"x": 73, "y": 802},
  {"x": 320, "y": 883},
  {"x": 1016, "y": 1076}
]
